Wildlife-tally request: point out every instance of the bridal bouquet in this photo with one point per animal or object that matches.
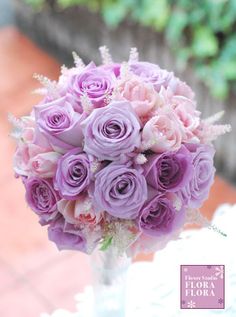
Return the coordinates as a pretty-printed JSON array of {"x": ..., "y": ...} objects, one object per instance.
[{"x": 115, "y": 155}]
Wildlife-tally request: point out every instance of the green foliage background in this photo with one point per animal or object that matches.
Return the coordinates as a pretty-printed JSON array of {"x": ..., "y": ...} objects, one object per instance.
[{"x": 200, "y": 31}]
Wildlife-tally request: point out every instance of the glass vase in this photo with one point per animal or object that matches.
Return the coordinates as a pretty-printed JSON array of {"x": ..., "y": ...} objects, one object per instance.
[{"x": 109, "y": 272}]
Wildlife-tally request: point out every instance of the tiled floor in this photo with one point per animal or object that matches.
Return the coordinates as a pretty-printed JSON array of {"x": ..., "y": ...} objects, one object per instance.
[{"x": 34, "y": 276}]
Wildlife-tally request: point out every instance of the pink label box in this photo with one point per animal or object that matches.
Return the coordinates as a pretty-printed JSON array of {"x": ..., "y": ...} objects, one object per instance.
[{"x": 202, "y": 286}]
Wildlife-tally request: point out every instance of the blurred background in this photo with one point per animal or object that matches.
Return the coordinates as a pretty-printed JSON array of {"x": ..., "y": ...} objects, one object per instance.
[{"x": 196, "y": 39}]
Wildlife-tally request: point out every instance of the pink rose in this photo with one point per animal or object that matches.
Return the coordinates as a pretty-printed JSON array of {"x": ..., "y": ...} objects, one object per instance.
[
  {"x": 32, "y": 160},
  {"x": 142, "y": 96},
  {"x": 79, "y": 212},
  {"x": 189, "y": 117},
  {"x": 162, "y": 132},
  {"x": 185, "y": 110},
  {"x": 44, "y": 164},
  {"x": 180, "y": 88},
  {"x": 21, "y": 159},
  {"x": 23, "y": 129},
  {"x": 27, "y": 134}
]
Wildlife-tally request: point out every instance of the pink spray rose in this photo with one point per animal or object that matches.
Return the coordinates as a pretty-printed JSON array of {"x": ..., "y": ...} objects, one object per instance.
[
  {"x": 142, "y": 96},
  {"x": 44, "y": 164},
  {"x": 32, "y": 160},
  {"x": 27, "y": 134},
  {"x": 162, "y": 132},
  {"x": 188, "y": 115},
  {"x": 80, "y": 211}
]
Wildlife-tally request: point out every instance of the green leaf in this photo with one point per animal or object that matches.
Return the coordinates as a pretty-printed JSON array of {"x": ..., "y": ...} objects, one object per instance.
[
  {"x": 229, "y": 69},
  {"x": 68, "y": 3},
  {"x": 114, "y": 12},
  {"x": 205, "y": 43},
  {"x": 36, "y": 4},
  {"x": 177, "y": 22},
  {"x": 196, "y": 14},
  {"x": 92, "y": 4},
  {"x": 229, "y": 51},
  {"x": 225, "y": 68},
  {"x": 106, "y": 243},
  {"x": 152, "y": 13},
  {"x": 219, "y": 88},
  {"x": 222, "y": 14}
]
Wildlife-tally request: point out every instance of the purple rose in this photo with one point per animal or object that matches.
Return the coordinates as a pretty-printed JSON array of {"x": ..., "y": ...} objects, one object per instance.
[
  {"x": 59, "y": 125},
  {"x": 169, "y": 171},
  {"x": 73, "y": 174},
  {"x": 120, "y": 190},
  {"x": 113, "y": 67},
  {"x": 42, "y": 198},
  {"x": 159, "y": 216},
  {"x": 111, "y": 131},
  {"x": 66, "y": 236},
  {"x": 95, "y": 82},
  {"x": 154, "y": 74},
  {"x": 203, "y": 175}
]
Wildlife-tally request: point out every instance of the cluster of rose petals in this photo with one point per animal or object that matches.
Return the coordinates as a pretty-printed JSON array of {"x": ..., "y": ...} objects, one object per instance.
[{"x": 114, "y": 144}]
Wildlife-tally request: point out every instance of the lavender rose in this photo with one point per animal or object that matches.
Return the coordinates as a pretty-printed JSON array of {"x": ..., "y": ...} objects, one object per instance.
[
  {"x": 203, "y": 176},
  {"x": 66, "y": 236},
  {"x": 73, "y": 174},
  {"x": 120, "y": 190},
  {"x": 154, "y": 74},
  {"x": 111, "y": 131},
  {"x": 113, "y": 67},
  {"x": 97, "y": 83},
  {"x": 169, "y": 171},
  {"x": 159, "y": 216},
  {"x": 42, "y": 198},
  {"x": 59, "y": 123}
]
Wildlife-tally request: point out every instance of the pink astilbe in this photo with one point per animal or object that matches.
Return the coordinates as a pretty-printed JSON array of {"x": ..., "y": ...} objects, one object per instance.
[{"x": 208, "y": 131}]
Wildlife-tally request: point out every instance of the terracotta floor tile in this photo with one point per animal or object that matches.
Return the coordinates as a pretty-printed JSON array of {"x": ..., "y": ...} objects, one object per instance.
[
  {"x": 19, "y": 60},
  {"x": 221, "y": 192}
]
